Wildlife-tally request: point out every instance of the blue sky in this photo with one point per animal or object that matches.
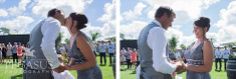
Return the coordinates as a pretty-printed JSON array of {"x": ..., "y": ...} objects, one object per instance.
[
  {"x": 136, "y": 14},
  {"x": 30, "y": 12}
]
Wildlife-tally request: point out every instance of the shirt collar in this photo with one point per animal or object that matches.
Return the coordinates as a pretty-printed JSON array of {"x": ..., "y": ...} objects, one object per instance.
[
  {"x": 53, "y": 19},
  {"x": 157, "y": 23}
]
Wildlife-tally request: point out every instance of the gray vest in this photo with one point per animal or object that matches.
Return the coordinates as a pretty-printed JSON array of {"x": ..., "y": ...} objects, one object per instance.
[
  {"x": 145, "y": 54},
  {"x": 37, "y": 60}
]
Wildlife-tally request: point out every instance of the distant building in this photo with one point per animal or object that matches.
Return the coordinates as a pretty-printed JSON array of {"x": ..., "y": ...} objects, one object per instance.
[
  {"x": 128, "y": 43},
  {"x": 23, "y": 38}
]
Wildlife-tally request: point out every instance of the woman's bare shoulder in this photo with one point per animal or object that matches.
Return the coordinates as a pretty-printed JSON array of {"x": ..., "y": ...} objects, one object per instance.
[{"x": 208, "y": 44}]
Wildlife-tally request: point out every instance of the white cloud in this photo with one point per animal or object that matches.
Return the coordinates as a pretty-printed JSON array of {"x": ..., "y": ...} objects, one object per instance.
[
  {"x": 40, "y": 8},
  {"x": 23, "y": 4},
  {"x": 18, "y": 10},
  {"x": 108, "y": 27},
  {"x": 109, "y": 9},
  {"x": 181, "y": 37},
  {"x": 191, "y": 9},
  {"x": 13, "y": 11},
  {"x": 227, "y": 24},
  {"x": 18, "y": 24},
  {"x": 136, "y": 12},
  {"x": 2, "y": 1},
  {"x": 89, "y": 29},
  {"x": 3, "y": 13},
  {"x": 186, "y": 11},
  {"x": 67, "y": 6},
  {"x": 108, "y": 19},
  {"x": 132, "y": 30}
]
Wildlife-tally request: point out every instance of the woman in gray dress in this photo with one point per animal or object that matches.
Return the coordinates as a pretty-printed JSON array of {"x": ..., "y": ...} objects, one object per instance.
[
  {"x": 200, "y": 54},
  {"x": 81, "y": 56}
]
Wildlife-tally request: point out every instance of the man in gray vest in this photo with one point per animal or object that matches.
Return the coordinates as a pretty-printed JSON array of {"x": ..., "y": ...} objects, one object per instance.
[
  {"x": 153, "y": 49},
  {"x": 43, "y": 58}
]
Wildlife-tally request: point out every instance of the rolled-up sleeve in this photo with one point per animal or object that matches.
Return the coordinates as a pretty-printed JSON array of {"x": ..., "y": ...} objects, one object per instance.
[
  {"x": 157, "y": 42},
  {"x": 50, "y": 32}
]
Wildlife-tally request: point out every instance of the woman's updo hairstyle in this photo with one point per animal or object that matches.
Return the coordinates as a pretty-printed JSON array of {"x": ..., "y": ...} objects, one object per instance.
[
  {"x": 203, "y": 22},
  {"x": 81, "y": 20}
]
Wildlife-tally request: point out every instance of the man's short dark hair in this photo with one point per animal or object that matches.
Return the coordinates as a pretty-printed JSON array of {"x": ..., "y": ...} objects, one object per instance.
[
  {"x": 163, "y": 10},
  {"x": 52, "y": 12}
]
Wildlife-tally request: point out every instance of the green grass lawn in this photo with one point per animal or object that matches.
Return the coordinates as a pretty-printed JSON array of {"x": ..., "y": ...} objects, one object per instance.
[
  {"x": 127, "y": 74},
  {"x": 12, "y": 71}
]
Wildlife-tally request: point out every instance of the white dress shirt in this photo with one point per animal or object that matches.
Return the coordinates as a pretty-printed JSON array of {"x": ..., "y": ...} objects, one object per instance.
[
  {"x": 50, "y": 30},
  {"x": 218, "y": 53},
  {"x": 111, "y": 48},
  {"x": 226, "y": 54},
  {"x": 157, "y": 42},
  {"x": 103, "y": 48}
]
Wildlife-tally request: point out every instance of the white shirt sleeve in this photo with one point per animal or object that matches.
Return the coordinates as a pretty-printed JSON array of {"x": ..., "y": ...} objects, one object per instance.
[
  {"x": 50, "y": 32},
  {"x": 157, "y": 42}
]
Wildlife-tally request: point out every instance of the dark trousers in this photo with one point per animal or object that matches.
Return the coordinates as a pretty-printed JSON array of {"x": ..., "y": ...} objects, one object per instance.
[
  {"x": 111, "y": 55},
  {"x": 128, "y": 63},
  {"x": 225, "y": 61},
  {"x": 15, "y": 58},
  {"x": 4, "y": 54},
  {"x": 103, "y": 58},
  {"x": 218, "y": 62},
  {"x": 114, "y": 68}
]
